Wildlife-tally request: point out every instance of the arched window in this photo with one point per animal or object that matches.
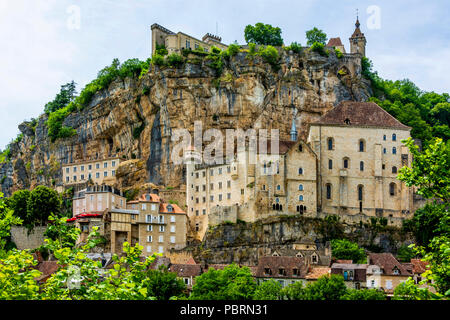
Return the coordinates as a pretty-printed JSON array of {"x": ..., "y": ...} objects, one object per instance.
[
  {"x": 300, "y": 170},
  {"x": 361, "y": 146},
  {"x": 330, "y": 164},
  {"x": 394, "y": 169},
  {"x": 278, "y": 187},
  {"x": 300, "y": 187},
  {"x": 300, "y": 147},
  {"x": 392, "y": 189},
  {"x": 330, "y": 143},
  {"x": 360, "y": 192},
  {"x": 394, "y": 137},
  {"x": 384, "y": 137},
  {"x": 329, "y": 191},
  {"x": 300, "y": 198},
  {"x": 265, "y": 168},
  {"x": 346, "y": 163},
  {"x": 394, "y": 150},
  {"x": 361, "y": 166}
]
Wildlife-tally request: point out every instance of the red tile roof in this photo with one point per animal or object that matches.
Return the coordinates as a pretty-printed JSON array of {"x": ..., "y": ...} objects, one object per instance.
[
  {"x": 163, "y": 208},
  {"x": 316, "y": 273},
  {"x": 186, "y": 270},
  {"x": 277, "y": 263},
  {"x": 352, "y": 113},
  {"x": 388, "y": 263},
  {"x": 419, "y": 266},
  {"x": 335, "y": 42}
]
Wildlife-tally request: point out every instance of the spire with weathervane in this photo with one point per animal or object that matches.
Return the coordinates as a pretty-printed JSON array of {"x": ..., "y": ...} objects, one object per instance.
[{"x": 358, "y": 40}]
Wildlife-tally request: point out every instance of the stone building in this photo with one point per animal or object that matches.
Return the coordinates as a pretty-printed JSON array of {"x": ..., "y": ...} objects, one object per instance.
[
  {"x": 359, "y": 149},
  {"x": 158, "y": 226},
  {"x": 176, "y": 42},
  {"x": 355, "y": 275},
  {"x": 284, "y": 270},
  {"x": 96, "y": 171}
]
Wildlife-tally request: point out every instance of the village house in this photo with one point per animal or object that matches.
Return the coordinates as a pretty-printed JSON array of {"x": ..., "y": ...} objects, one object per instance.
[
  {"x": 354, "y": 274},
  {"x": 284, "y": 270},
  {"x": 159, "y": 226},
  {"x": 385, "y": 272}
]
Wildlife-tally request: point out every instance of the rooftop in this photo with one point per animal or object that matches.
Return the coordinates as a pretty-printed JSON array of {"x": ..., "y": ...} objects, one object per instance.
[
  {"x": 366, "y": 114},
  {"x": 388, "y": 263}
]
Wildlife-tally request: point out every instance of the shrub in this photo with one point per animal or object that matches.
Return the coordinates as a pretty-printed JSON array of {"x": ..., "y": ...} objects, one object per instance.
[
  {"x": 295, "y": 47},
  {"x": 161, "y": 50},
  {"x": 216, "y": 60},
  {"x": 252, "y": 49},
  {"x": 269, "y": 55},
  {"x": 338, "y": 52},
  {"x": 157, "y": 60},
  {"x": 174, "y": 60},
  {"x": 233, "y": 50},
  {"x": 319, "y": 48}
]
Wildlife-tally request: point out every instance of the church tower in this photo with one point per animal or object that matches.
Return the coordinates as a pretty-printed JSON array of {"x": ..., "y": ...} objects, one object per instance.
[{"x": 358, "y": 41}]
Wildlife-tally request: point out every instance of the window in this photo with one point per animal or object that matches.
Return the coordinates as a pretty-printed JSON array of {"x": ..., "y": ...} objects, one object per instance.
[
  {"x": 361, "y": 166},
  {"x": 384, "y": 137},
  {"x": 300, "y": 147},
  {"x": 228, "y": 169},
  {"x": 196, "y": 175},
  {"x": 90, "y": 167},
  {"x": 172, "y": 229},
  {"x": 300, "y": 187},
  {"x": 295, "y": 272},
  {"x": 267, "y": 271},
  {"x": 329, "y": 191},
  {"x": 67, "y": 179},
  {"x": 75, "y": 178},
  {"x": 162, "y": 229},
  {"x": 228, "y": 184},
  {"x": 196, "y": 200},
  {"x": 384, "y": 150},
  {"x": 173, "y": 219},
  {"x": 211, "y": 186},
  {"x": 74, "y": 169},
  {"x": 330, "y": 164},
  {"x": 204, "y": 212},
  {"x": 220, "y": 185},
  {"x": 346, "y": 163},
  {"x": 392, "y": 188},
  {"x": 113, "y": 163},
  {"x": 172, "y": 240},
  {"x": 229, "y": 196},
  {"x": 67, "y": 170},
  {"x": 113, "y": 173},
  {"x": 149, "y": 218},
  {"x": 144, "y": 206},
  {"x": 161, "y": 249},
  {"x": 105, "y": 165},
  {"x": 150, "y": 239},
  {"x": 330, "y": 143},
  {"x": 197, "y": 213},
  {"x": 197, "y": 188},
  {"x": 203, "y": 174},
  {"x": 361, "y": 146},
  {"x": 300, "y": 198},
  {"x": 188, "y": 44},
  {"x": 281, "y": 272},
  {"x": 220, "y": 197},
  {"x": 388, "y": 284},
  {"x": 82, "y": 168},
  {"x": 97, "y": 166},
  {"x": 300, "y": 171},
  {"x": 149, "y": 249},
  {"x": 394, "y": 150},
  {"x": 211, "y": 173},
  {"x": 150, "y": 228},
  {"x": 161, "y": 239},
  {"x": 105, "y": 174},
  {"x": 211, "y": 198},
  {"x": 204, "y": 187},
  {"x": 360, "y": 192},
  {"x": 278, "y": 187},
  {"x": 394, "y": 137},
  {"x": 220, "y": 171},
  {"x": 394, "y": 169}
]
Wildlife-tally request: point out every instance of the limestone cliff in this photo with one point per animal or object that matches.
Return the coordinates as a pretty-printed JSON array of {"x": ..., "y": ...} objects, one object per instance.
[{"x": 248, "y": 94}]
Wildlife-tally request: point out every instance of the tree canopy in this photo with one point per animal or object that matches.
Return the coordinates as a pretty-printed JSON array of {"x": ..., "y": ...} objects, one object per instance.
[
  {"x": 263, "y": 34},
  {"x": 316, "y": 36},
  {"x": 347, "y": 250}
]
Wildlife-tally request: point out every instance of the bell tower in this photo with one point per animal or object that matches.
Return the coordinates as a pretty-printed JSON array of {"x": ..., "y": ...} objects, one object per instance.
[{"x": 358, "y": 40}]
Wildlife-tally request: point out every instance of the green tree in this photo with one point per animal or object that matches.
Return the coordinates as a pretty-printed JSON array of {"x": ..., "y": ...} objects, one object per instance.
[
  {"x": 43, "y": 202},
  {"x": 268, "y": 290},
  {"x": 364, "y": 294},
  {"x": 347, "y": 250},
  {"x": 294, "y": 291},
  {"x": 263, "y": 34},
  {"x": 164, "y": 285},
  {"x": 405, "y": 254},
  {"x": 18, "y": 202},
  {"x": 231, "y": 283},
  {"x": 408, "y": 290},
  {"x": 316, "y": 35},
  {"x": 7, "y": 219},
  {"x": 328, "y": 287},
  {"x": 66, "y": 95}
]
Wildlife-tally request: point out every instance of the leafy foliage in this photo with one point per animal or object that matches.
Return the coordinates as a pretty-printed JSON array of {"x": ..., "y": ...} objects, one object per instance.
[
  {"x": 364, "y": 294},
  {"x": 263, "y": 34},
  {"x": 320, "y": 49},
  {"x": 164, "y": 285},
  {"x": 231, "y": 283},
  {"x": 7, "y": 219},
  {"x": 294, "y": 291},
  {"x": 174, "y": 60},
  {"x": 63, "y": 98},
  {"x": 316, "y": 36},
  {"x": 405, "y": 254},
  {"x": 268, "y": 290},
  {"x": 347, "y": 250},
  {"x": 295, "y": 47},
  {"x": 426, "y": 112},
  {"x": 329, "y": 287},
  {"x": 42, "y": 203},
  {"x": 269, "y": 55}
]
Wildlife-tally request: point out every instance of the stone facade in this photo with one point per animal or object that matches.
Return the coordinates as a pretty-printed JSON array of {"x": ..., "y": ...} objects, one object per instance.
[
  {"x": 176, "y": 42},
  {"x": 97, "y": 171},
  {"x": 24, "y": 240}
]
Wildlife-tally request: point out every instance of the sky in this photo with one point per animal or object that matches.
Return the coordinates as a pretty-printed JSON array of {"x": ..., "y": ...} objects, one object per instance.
[{"x": 47, "y": 43}]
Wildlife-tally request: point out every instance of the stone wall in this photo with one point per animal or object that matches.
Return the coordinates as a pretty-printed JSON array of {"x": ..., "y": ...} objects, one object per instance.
[{"x": 23, "y": 240}]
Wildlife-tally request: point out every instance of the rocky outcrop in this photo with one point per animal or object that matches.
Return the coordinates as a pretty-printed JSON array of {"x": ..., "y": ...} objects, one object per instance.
[
  {"x": 244, "y": 243},
  {"x": 135, "y": 118}
]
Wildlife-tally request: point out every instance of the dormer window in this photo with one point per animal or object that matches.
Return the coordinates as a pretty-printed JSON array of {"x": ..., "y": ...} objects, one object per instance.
[
  {"x": 347, "y": 121},
  {"x": 396, "y": 271},
  {"x": 267, "y": 271},
  {"x": 295, "y": 272},
  {"x": 282, "y": 272},
  {"x": 300, "y": 148},
  {"x": 147, "y": 197},
  {"x": 169, "y": 208}
]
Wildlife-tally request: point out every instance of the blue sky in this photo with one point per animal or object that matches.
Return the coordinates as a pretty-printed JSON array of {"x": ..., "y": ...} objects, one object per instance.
[{"x": 40, "y": 52}]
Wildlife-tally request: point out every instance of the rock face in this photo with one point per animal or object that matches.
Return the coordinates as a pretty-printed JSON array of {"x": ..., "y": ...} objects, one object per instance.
[
  {"x": 135, "y": 118},
  {"x": 245, "y": 243}
]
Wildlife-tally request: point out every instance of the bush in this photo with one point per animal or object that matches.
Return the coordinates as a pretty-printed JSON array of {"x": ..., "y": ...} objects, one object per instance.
[
  {"x": 339, "y": 54},
  {"x": 295, "y": 47},
  {"x": 346, "y": 250},
  {"x": 233, "y": 50},
  {"x": 268, "y": 290},
  {"x": 157, "y": 60},
  {"x": 161, "y": 50},
  {"x": 174, "y": 60},
  {"x": 320, "y": 49},
  {"x": 269, "y": 55}
]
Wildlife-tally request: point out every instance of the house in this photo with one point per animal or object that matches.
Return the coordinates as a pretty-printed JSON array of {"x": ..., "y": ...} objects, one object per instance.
[
  {"x": 354, "y": 274},
  {"x": 285, "y": 270},
  {"x": 417, "y": 267},
  {"x": 187, "y": 272},
  {"x": 385, "y": 272}
]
